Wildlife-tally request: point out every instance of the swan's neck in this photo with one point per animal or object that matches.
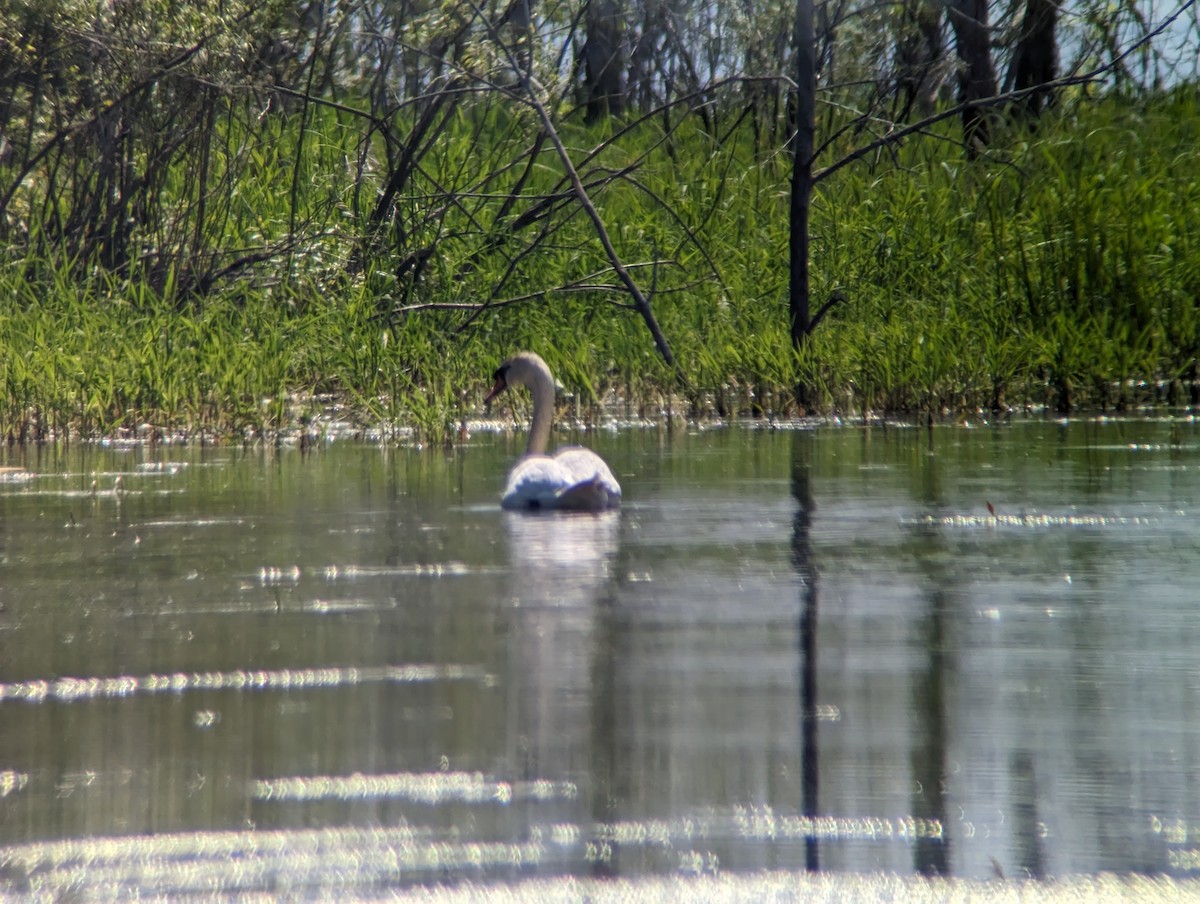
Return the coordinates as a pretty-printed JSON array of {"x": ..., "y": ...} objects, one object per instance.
[{"x": 542, "y": 387}]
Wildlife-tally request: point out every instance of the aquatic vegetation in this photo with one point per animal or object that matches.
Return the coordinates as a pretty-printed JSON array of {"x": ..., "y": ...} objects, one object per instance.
[{"x": 1061, "y": 270}]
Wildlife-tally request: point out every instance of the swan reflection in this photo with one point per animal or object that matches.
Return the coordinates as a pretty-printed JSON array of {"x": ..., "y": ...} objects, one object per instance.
[
  {"x": 561, "y": 568},
  {"x": 560, "y": 559}
]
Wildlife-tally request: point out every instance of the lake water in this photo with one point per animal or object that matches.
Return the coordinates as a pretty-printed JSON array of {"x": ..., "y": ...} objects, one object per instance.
[{"x": 970, "y": 652}]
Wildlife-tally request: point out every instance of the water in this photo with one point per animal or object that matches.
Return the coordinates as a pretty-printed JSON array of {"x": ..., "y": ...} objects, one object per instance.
[{"x": 969, "y": 652}]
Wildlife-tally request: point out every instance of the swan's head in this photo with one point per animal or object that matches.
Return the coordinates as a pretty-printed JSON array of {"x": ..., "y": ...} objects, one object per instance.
[{"x": 522, "y": 369}]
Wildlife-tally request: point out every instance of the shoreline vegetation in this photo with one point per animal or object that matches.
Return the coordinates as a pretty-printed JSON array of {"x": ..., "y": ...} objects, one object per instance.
[{"x": 236, "y": 284}]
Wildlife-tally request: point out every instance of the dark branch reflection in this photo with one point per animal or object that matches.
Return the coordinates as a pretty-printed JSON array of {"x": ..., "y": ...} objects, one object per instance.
[
  {"x": 930, "y": 741},
  {"x": 930, "y": 704},
  {"x": 806, "y": 571}
]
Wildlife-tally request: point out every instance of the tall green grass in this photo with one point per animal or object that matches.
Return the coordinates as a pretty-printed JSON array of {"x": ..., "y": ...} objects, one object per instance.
[{"x": 1061, "y": 269}]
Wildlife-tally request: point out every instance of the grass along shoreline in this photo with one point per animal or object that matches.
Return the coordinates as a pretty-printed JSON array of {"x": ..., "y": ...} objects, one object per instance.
[
  {"x": 316, "y": 421},
  {"x": 1060, "y": 273}
]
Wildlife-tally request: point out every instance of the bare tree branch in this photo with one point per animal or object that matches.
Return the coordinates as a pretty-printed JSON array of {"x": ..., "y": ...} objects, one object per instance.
[
  {"x": 582, "y": 285},
  {"x": 532, "y": 92},
  {"x": 998, "y": 100}
]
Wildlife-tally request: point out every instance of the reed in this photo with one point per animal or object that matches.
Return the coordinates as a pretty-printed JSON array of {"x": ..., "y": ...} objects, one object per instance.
[{"x": 1062, "y": 270}]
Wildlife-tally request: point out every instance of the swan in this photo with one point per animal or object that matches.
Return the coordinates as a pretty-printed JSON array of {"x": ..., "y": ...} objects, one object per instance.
[{"x": 572, "y": 478}]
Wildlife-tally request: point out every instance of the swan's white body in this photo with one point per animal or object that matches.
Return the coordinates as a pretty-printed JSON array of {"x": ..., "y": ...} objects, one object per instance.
[{"x": 573, "y": 477}]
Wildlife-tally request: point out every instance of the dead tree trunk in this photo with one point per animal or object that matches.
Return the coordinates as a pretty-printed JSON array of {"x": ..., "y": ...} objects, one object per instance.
[
  {"x": 919, "y": 55},
  {"x": 1036, "y": 59},
  {"x": 602, "y": 60},
  {"x": 801, "y": 147},
  {"x": 976, "y": 75},
  {"x": 803, "y": 115}
]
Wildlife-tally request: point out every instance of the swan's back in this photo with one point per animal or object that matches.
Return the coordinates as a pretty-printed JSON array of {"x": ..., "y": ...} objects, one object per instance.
[{"x": 574, "y": 479}]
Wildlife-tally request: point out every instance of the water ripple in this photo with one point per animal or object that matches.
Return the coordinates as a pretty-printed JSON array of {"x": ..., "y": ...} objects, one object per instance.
[
  {"x": 764, "y": 823},
  {"x": 266, "y": 861},
  {"x": 421, "y": 787},
  {"x": 11, "y": 781},
  {"x": 1032, "y": 520},
  {"x": 67, "y": 690}
]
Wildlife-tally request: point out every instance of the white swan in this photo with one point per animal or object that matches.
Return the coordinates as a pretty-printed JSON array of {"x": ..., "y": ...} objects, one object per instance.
[{"x": 573, "y": 477}]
